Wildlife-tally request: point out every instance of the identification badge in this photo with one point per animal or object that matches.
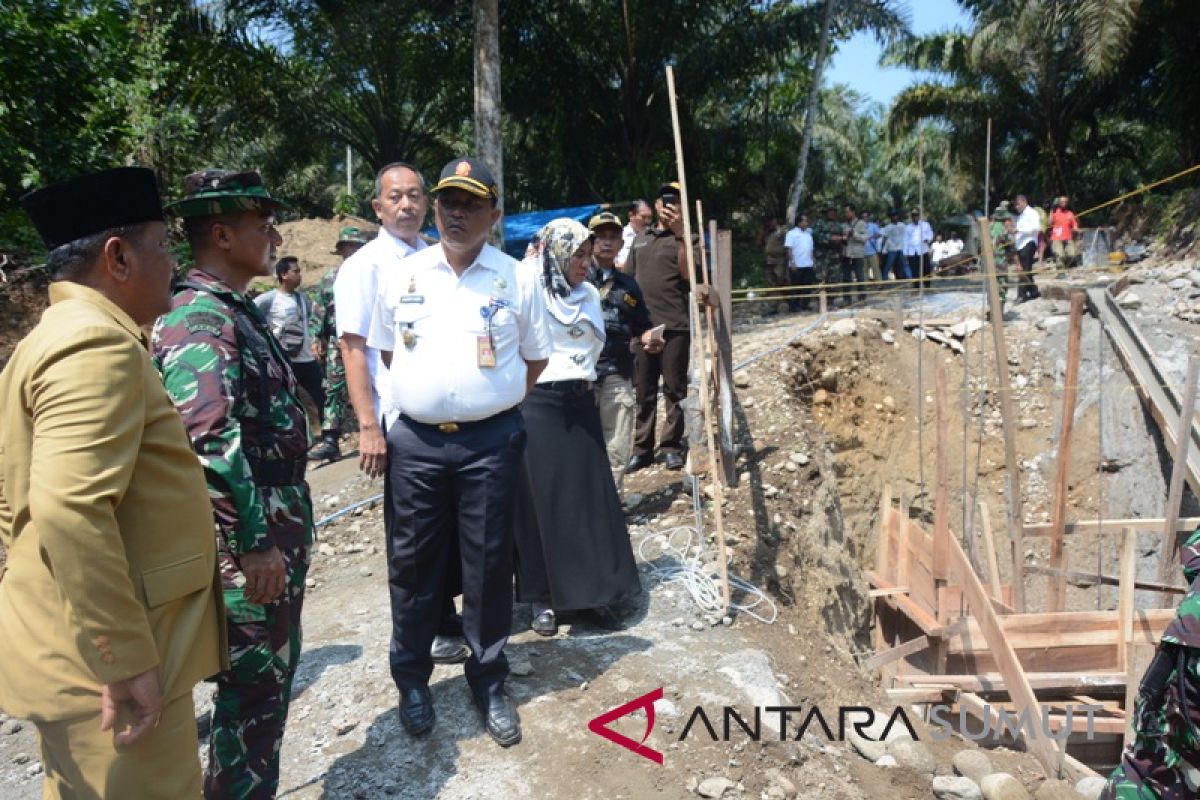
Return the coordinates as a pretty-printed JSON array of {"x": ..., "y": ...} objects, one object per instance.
[
  {"x": 487, "y": 356},
  {"x": 412, "y": 298}
]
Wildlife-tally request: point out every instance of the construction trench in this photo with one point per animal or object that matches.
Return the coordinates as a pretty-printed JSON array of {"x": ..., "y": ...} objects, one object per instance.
[{"x": 1044, "y": 618}]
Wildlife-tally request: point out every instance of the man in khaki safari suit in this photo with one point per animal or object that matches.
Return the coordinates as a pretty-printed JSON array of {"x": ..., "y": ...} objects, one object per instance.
[{"x": 108, "y": 614}]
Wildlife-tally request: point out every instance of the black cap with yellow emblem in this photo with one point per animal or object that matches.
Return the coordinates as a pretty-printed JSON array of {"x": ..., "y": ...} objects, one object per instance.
[
  {"x": 469, "y": 174},
  {"x": 602, "y": 219}
]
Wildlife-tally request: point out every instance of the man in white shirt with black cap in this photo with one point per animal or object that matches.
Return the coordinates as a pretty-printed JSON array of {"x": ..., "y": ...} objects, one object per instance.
[
  {"x": 464, "y": 333},
  {"x": 400, "y": 204}
]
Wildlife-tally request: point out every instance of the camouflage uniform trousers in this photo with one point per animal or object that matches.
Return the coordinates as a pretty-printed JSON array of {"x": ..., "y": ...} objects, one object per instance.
[
  {"x": 1163, "y": 762},
  {"x": 252, "y": 700},
  {"x": 337, "y": 393}
]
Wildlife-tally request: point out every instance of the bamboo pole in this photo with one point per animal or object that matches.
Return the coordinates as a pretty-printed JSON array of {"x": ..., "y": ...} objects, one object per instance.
[
  {"x": 941, "y": 512},
  {"x": 1183, "y": 429},
  {"x": 1016, "y": 515},
  {"x": 705, "y": 403},
  {"x": 1056, "y": 594}
]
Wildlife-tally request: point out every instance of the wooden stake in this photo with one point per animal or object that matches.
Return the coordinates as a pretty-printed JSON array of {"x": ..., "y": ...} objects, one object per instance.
[
  {"x": 1183, "y": 428},
  {"x": 705, "y": 400},
  {"x": 1056, "y": 593},
  {"x": 941, "y": 513},
  {"x": 1044, "y": 748},
  {"x": 1016, "y": 514},
  {"x": 883, "y": 558},
  {"x": 903, "y": 551},
  {"x": 989, "y": 550},
  {"x": 824, "y": 303},
  {"x": 1125, "y": 596}
]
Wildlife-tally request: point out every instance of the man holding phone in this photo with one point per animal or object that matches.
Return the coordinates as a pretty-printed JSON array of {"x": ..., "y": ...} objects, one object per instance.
[{"x": 658, "y": 262}]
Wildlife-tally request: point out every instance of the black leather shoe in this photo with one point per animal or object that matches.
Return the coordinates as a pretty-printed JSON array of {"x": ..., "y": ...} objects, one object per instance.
[
  {"x": 499, "y": 716},
  {"x": 674, "y": 461},
  {"x": 545, "y": 623},
  {"x": 416, "y": 710},
  {"x": 639, "y": 462},
  {"x": 449, "y": 650}
]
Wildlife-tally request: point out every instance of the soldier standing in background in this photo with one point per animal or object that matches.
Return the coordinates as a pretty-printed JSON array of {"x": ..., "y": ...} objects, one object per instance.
[
  {"x": 325, "y": 348},
  {"x": 827, "y": 247},
  {"x": 775, "y": 253},
  {"x": 239, "y": 401}
]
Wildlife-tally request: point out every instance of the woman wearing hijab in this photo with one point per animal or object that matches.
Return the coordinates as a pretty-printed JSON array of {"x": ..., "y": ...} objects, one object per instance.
[{"x": 573, "y": 551}]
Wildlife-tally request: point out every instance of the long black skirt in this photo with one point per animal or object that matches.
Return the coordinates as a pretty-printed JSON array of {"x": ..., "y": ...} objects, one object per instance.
[{"x": 573, "y": 549}]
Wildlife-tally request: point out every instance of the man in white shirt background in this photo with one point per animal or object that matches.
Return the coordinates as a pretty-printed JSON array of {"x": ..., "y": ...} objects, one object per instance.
[
  {"x": 917, "y": 238},
  {"x": 641, "y": 216},
  {"x": 799, "y": 244},
  {"x": 1029, "y": 226},
  {"x": 894, "y": 263},
  {"x": 288, "y": 311}
]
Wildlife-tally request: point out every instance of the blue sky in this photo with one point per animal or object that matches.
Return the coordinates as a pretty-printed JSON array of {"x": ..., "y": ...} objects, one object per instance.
[{"x": 856, "y": 62}]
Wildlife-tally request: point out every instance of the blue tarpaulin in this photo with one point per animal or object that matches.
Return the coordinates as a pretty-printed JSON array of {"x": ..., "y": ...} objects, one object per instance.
[{"x": 520, "y": 228}]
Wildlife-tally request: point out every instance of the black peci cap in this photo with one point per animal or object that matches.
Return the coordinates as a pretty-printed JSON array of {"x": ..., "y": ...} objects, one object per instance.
[{"x": 79, "y": 207}]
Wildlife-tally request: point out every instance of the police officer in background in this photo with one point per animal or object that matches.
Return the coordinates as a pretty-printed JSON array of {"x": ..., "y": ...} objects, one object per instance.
[
  {"x": 463, "y": 333},
  {"x": 626, "y": 318},
  {"x": 239, "y": 399}
]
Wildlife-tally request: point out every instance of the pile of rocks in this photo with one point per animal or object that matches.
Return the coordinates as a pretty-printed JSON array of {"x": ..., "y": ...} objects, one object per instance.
[{"x": 973, "y": 778}]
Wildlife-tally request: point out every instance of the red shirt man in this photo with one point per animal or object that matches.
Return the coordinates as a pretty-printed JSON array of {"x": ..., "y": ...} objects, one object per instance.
[{"x": 1063, "y": 225}]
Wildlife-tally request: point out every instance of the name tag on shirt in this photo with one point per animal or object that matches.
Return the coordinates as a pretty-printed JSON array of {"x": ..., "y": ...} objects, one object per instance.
[
  {"x": 412, "y": 298},
  {"x": 486, "y": 355}
]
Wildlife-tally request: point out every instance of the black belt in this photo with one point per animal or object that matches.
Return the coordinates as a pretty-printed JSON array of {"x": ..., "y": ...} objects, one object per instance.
[
  {"x": 567, "y": 387},
  {"x": 456, "y": 427},
  {"x": 278, "y": 472}
]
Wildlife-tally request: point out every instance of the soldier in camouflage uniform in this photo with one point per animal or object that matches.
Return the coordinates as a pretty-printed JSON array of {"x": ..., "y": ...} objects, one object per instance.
[
  {"x": 238, "y": 397},
  {"x": 1163, "y": 761},
  {"x": 323, "y": 329},
  {"x": 827, "y": 247}
]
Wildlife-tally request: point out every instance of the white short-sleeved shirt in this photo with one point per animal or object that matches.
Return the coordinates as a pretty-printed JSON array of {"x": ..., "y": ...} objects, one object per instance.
[
  {"x": 1029, "y": 225},
  {"x": 917, "y": 236},
  {"x": 355, "y": 291},
  {"x": 800, "y": 244},
  {"x": 436, "y": 375}
]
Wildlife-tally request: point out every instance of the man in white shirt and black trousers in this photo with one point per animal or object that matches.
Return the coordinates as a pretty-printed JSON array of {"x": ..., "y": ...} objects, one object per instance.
[
  {"x": 1028, "y": 225},
  {"x": 465, "y": 338}
]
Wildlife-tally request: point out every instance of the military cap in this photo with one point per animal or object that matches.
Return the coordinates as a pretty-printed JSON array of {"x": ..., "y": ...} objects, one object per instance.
[
  {"x": 604, "y": 218},
  {"x": 209, "y": 192},
  {"x": 469, "y": 174},
  {"x": 79, "y": 207},
  {"x": 350, "y": 235}
]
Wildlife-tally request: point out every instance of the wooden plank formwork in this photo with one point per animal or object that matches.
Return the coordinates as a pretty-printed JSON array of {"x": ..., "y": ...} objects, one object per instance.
[{"x": 962, "y": 633}]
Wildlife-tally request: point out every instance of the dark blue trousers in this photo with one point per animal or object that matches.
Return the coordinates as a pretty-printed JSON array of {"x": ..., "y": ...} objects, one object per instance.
[{"x": 441, "y": 484}]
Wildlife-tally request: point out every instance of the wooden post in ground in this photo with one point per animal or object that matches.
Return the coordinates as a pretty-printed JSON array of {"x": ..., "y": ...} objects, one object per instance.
[
  {"x": 705, "y": 400},
  {"x": 824, "y": 303},
  {"x": 989, "y": 551},
  {"x": 1016, "y": 514},
  {"x": 883, "y": 558},
  {"x": 941, "y": 512},
  {"x": 1125, "y": 596},
  {"x": 1183, "y": 429},
  {"x": 1056, "y": 592}
]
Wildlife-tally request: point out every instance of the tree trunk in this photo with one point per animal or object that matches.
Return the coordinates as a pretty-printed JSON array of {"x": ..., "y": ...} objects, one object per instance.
[
  {"x": 487, "y": 98},
  {"x": 810, "y": 115}
]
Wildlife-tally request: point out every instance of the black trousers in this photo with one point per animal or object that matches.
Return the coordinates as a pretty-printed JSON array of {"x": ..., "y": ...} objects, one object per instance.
[
  {"x": 802, "y": 297},
  {"x": 853, "y": 269},
  {"x": 918, "y": 267},
  {"x": 671, "y": 365},
  {"x": 442, "y": 484},
  {"x": 311, "y": 379},
  {"x": 1026, "y": 287}
]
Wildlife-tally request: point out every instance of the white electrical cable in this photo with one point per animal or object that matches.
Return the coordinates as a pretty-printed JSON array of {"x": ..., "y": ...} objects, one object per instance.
[{"x": 687, "y": 565}]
